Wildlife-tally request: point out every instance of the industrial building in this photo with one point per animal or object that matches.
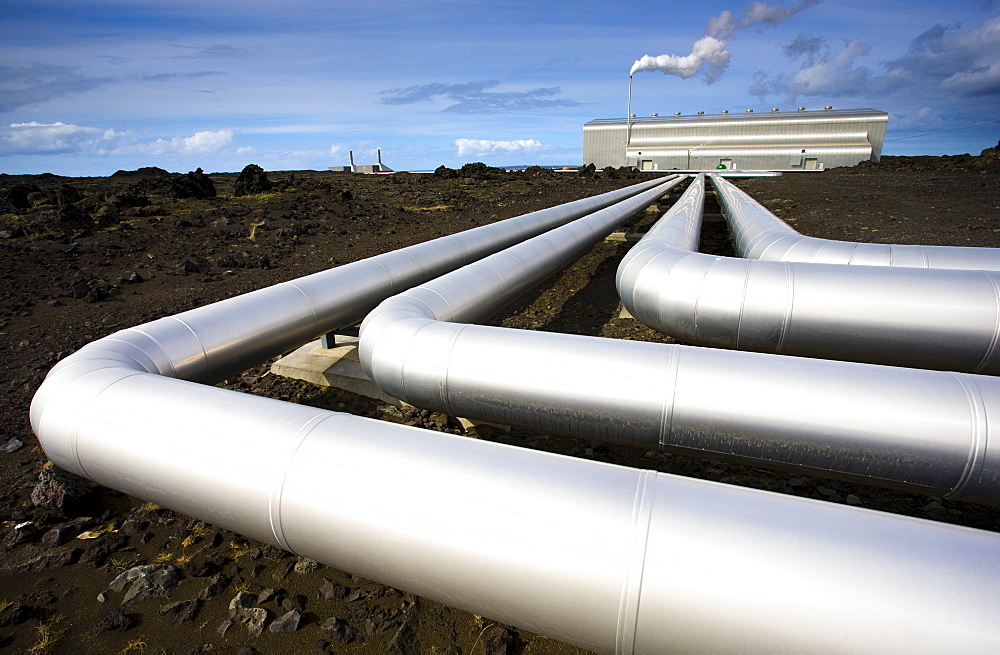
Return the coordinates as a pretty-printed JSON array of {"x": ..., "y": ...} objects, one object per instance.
[
  {"x": 777, "y": 140},
  {"x": 362, "y": 168}
]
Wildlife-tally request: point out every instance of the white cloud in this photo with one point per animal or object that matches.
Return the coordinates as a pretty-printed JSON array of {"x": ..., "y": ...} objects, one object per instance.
[
  {"x": 966, "y": 63},
  {"x": 835, "y": 75},
  {"x": 486, "y": 147},
  {"x": 58, "y": 138},
  {"x": 336, "y": 149},
  {"x": 34, "y": 138},
  {"x": 822, "y": 73},
  {"x": 200, "y": 143},
  {"x": 921, "y": 118}
]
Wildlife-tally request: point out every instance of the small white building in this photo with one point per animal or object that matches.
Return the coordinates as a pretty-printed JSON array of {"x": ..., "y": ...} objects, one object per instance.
[
  {"x": 362, "y": 168},
  {"x": 776, "y": 140}
]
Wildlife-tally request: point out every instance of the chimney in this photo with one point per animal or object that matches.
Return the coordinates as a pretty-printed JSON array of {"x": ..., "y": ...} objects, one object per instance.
[
  {"x": 378, "y": 157},
  {"x": 350, "y": 153}
]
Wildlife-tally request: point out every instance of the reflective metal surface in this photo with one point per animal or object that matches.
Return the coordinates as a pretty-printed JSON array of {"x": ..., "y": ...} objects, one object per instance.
[
  {"x": 759, "y": 234},
  {"x": 606, "y": 557},
  {"x": 925, "y": 431},
  {"x": 927, "y": 318}
]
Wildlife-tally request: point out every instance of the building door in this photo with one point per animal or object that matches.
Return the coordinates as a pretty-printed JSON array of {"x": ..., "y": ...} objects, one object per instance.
[
  {"x": 646, "y": 165},
  {"x": 811, "y": 164}
]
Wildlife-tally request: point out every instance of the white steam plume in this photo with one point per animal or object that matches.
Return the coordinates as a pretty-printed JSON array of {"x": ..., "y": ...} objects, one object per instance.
[{"x": 709, "y": 53}]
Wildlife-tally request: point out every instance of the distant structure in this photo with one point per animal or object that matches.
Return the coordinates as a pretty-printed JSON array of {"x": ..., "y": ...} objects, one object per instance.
[
  {"x": 366, "y": 168},
  {"x": 779, "y": 141}
]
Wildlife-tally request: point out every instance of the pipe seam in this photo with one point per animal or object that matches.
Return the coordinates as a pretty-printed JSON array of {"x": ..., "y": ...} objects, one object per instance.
[
  {"x": 101, "y": 389},
  {"x": 979, "y": 434},
  {"x": 444, "y": 388},
  {"x": 991, "y": 351},
  {"x": 631, "y": 592},
  {"x": 786, "y": 324},
  {"x": 281, "y": 473},
  {"x": 669, "y": 398}
]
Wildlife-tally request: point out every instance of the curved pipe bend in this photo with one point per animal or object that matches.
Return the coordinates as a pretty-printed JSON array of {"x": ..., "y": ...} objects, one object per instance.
[
  {"x": 759, "y": 234},
  {"x": 925, "y": 431},
  {"x": 929, "y": 318}
]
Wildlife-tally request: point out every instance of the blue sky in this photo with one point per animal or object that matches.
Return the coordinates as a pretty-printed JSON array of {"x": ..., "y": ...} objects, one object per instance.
[{"x": 87, "y": 88}]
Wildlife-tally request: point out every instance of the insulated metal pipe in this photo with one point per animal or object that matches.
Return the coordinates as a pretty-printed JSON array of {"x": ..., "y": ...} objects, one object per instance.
[
  {"x": 759, "y": 234},
  {"x": 926, "y": 318},
  {"x": 202, "y": 345},
  {"x": 930, "y": 432},
  {"x": 606, "y": 557}
]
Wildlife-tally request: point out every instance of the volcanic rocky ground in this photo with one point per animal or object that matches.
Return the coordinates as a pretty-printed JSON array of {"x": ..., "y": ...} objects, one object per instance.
[{"x": 83, "y": 257}]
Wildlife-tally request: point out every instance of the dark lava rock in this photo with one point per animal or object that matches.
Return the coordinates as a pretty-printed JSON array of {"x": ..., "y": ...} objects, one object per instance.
[
  {"x": 106, "y": 216},
  {"x": 242, "y": 608},
  {"x": 68, "y": 217},
  {"x": 330, "y": 590},
  {"x": 182, "y": 611},
  {"x": 445, "y": 173},
  {"x": 201, "y": 568},
  {"x": 405, "y": 642},
  {"x": 49, "y": 560},
  {"x": 20, "y": 533},
  {"x": 17, "y": 195},
  {"x": 61, "y": 491},
  {"x": 12, "y": 445},
  {"x": 339, "y": 630},
  {"x": 500, "y": 640},
  {"x": 216, "y": 585},
  {"x": 15, "y": 612},
  {"x": 117, "y": 621},
  {"x": 288, "y": 622},
  {"x": 195, "y": 265},
  {"x": 252, "y": 180},
  {"x": 480, "y": 171},
  {"x": 193, "y": 185},
  {"x": 67, "y": 194},
  {"x": 63, "y": 532},
  {"x": 294, "y": 602},
  {"x": 587, "y": 171},
  {"x": 141, "y": 582},
  {"x": 156, "y": 181},
  {"x": 103, "y": 546}
]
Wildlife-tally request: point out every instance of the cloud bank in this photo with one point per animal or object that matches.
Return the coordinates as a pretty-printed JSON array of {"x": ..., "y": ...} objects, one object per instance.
[
  {"x": 59, "y": 138},
  {"x": 708, "y": 54},
  {"x": 28, "y": 85},
  {"x": 823, "y": 72},
  {"x": 944, "y": 60},
  {"x": 486, "y": 147},
  {"x": 475, "y": 98}
]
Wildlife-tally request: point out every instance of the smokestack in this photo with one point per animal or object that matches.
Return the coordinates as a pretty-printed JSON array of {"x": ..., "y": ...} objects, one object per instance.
[
  {"x": 350, "y": 153},
  {"x": 378, "y": 157}
]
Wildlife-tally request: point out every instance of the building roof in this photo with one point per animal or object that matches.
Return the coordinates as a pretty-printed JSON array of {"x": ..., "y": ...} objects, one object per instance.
[{"x": 755, "y": 117}]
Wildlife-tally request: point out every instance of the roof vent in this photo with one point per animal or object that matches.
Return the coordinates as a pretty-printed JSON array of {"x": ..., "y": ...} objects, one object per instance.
[
  {"x": 631, "y": 115},
  {"x": 725, "y": 111},
  {"x": 677, "y": 113},
  {"x": 775, "y": 110},
  {"x": 655, "y": 114},
  {"x": 802, "y": 108},
  {"x": 828, "y": 108},
  {"x": 701, "y": 113},
  {"x": 749, "y": 111}
]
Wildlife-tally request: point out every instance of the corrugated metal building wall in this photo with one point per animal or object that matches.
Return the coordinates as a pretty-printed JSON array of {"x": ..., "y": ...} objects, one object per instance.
[{"x": 782, "y": 141}]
